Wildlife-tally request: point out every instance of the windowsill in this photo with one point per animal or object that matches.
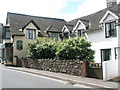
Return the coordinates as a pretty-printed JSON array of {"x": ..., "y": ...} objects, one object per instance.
[
  {"x": 6, "y": 38},
  {"x": 31, "y": 39},
  {"x": 111, "y": 37}
]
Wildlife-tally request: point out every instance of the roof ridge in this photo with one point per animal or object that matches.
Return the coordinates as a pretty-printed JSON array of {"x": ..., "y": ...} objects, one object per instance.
[
  {"x": 88, "y": 15},
  {"x": 93, "y": 13},
  {"x": 35, "y": 16}
]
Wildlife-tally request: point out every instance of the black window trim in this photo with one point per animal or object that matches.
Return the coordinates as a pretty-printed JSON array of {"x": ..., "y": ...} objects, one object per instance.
[
  {"x": 110, "y": 29},
  {"x": 101, "y": 51},
  {"x": 81, "y": 32}
]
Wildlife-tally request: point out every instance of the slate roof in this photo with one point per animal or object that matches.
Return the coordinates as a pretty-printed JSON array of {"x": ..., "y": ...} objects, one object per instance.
[
  {"x": 93, "y": 20},
  {"x": 70, "y": 27},
  {"x": 1, "y": 26},
  {"x": 51, "y": 28},
  {"x": 18, "y": 21}
]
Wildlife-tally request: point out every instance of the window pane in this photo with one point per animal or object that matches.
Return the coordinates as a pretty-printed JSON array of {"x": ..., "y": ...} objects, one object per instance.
[
  {"x": 54, "y": 35},
  {"x": 8, "y": 34},
  {"x": 115, "y": 51},
  {"x": 107, "y": 29},
  {"x": 113, "y": 29},
  {"x": 79, "y": 33},
  {"x": 110, "y": 29},
  {"x": 112, "y": 25},
  {"x": 31, "y": 34},
  {"x": 106, "y": 54},
  {"x": 66, "y": 35}
]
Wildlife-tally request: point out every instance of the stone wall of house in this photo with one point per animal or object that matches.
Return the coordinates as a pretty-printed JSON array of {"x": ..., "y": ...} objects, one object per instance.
[{"x": 72, "y": 67}]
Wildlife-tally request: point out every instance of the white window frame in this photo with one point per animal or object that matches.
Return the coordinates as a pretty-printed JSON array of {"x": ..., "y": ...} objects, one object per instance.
[
  {"x": 31, "y": 34},
  {"x": 54, "y": 36}
]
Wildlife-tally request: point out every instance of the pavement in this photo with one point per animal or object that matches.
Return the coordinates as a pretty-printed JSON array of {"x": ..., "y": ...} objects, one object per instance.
[{"x": 96, "y": 83}]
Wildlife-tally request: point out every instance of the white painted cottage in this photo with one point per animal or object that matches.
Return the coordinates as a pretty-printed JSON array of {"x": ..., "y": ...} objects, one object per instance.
[{"x": 102, "y": 29}]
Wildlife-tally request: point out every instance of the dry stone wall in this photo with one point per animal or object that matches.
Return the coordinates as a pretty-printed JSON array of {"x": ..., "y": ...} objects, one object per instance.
[{"x": 72, "y": 67}]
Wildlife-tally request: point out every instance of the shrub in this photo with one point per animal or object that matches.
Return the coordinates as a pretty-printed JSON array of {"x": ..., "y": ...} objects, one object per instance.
[
  {"x": 75, "y": 48},
  {"x": 42, "y": 48}
]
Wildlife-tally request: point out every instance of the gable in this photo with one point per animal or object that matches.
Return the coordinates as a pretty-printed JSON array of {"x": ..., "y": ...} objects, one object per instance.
[
  {"x": 18, "y": 21},
  {"x": 108, "y": 17},
  {"x": 79, "y": 25},
  {"x": 65, "y": 29},
  {"x": 30, "y": 26},
  {"x": 32, "y": 23}
]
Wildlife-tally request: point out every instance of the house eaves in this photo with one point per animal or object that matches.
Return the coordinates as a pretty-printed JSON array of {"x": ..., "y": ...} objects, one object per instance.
[
  {"x": 31, "y": 21},
  {"x": 106, "y": 14},
  {"x": 19, "y": 21}
]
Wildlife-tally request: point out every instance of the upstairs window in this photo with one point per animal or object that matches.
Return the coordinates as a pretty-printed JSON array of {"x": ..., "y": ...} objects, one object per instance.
[
  {"x": 54, "y": 36},
  {"x": 65, "y": 35},
  {"x": 110, "y": 29},
  {"x": 19, "y": 45},
  {"x": 31, "y": 34},
  {"x": 80, "y": 32},
  {"x": 7, "y": 33}
]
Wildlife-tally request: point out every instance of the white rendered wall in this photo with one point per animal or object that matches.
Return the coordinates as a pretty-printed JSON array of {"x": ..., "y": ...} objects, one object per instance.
[
  {"x": 108, "y": 71},
  {"x": 98, "y": 40}
]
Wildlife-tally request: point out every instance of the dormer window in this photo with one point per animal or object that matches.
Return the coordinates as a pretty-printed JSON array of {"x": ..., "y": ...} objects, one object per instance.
[
  {"x": 31, "y": 33},
  {"x": 54, "y": 36},
  {"x": 80, "y": 32},
  {"x": 66, "y": 35},
  {"x": 110, "y": 29}
]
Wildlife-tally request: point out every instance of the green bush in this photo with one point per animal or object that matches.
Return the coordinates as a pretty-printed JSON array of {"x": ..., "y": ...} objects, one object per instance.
[
  {"x": 75, "y": 48},
  {"x": 42, "y": 48}
]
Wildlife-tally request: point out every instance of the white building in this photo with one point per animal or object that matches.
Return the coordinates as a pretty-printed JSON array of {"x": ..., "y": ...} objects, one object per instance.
[{"x": 102, "y": 29}]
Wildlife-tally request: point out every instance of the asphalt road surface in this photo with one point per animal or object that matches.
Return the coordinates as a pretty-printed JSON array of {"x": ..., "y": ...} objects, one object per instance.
[{"x": 18, "y": 79}]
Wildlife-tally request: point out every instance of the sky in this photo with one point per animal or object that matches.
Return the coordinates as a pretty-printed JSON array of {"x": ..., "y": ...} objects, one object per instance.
[{"x": 64, "y": 9}]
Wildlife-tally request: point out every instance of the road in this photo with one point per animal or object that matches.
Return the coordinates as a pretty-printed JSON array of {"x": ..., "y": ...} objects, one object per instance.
[{"x": 18, "y": 79}]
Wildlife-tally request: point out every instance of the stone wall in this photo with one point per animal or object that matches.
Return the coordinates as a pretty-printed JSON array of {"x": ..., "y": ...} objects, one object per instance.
[{"x": 72, "y": 67}]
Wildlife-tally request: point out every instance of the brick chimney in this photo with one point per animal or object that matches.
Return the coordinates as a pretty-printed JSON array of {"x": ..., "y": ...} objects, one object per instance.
[{"x": 111, "y": 3}]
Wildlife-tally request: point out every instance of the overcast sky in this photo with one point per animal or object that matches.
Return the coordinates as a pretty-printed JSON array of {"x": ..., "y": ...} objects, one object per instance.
[{"x": 65, "y": 9}]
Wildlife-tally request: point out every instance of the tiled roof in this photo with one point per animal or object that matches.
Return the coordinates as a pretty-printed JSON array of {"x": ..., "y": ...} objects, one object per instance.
[
  {"x": 93, "y": 20},
  {"x": 18, "y": 21},
  {"x": 51, "y": 28},
  {"x": 70, "y": 27}
]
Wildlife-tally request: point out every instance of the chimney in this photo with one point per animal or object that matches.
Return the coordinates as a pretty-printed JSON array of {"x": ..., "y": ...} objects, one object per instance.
[{"x": 111, "y": 3}]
